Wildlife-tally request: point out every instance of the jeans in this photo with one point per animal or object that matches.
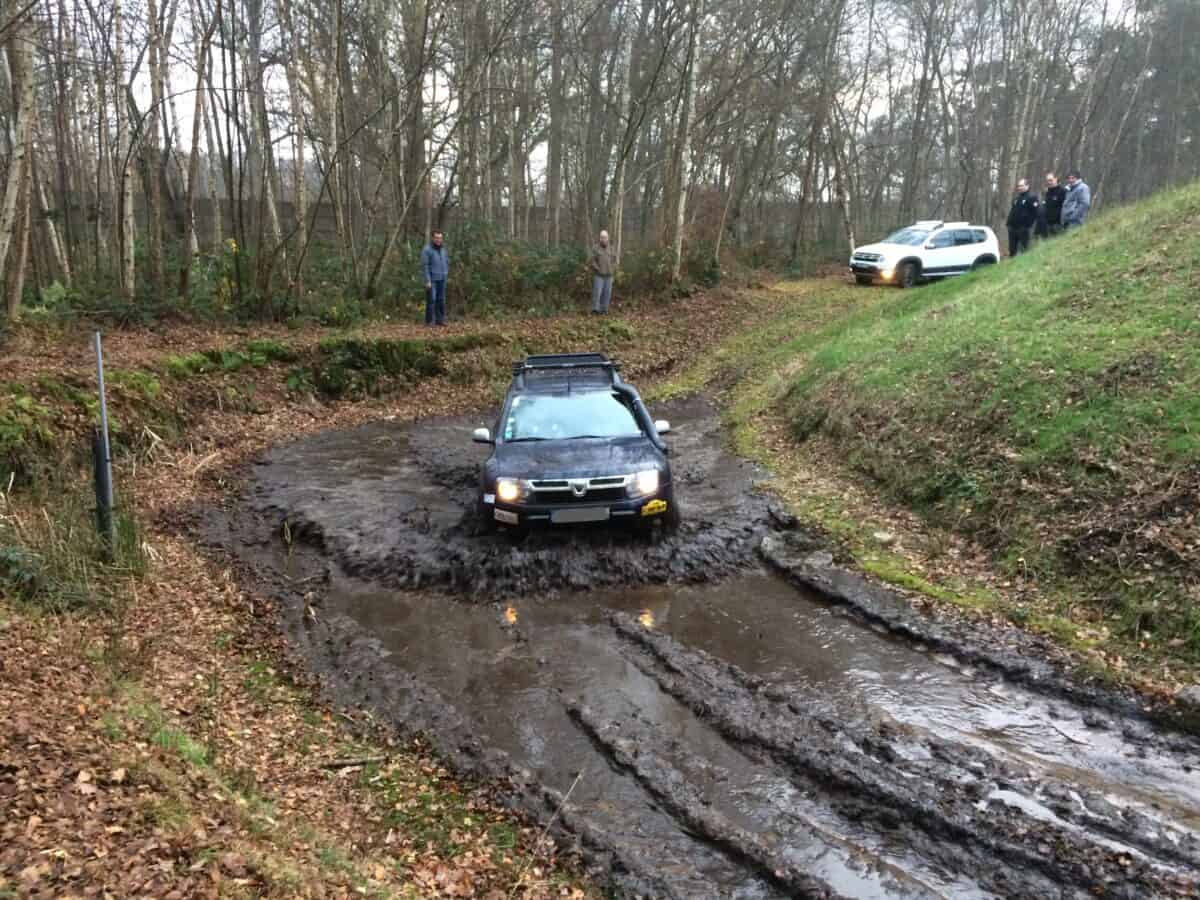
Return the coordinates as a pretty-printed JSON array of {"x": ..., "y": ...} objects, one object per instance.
[
  {"x": 435, "y": 303},
  {"x": 1018, "y": 240},
  {"x": 601, "y": 293}
]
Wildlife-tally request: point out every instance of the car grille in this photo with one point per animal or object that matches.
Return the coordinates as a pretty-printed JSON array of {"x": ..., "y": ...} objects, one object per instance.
[
  {"x": 579, "y": 490},
  {"x": 599, "y": 495},
  {"x": 868, "y": 257}
]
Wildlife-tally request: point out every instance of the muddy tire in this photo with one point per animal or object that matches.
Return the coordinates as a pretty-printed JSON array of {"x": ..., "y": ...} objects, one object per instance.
[
  {"x": 672, "y": 518},
  {"x": 983, "y": 262},
  {"x": 484, "y": 519},
  {"x": 906, "y": 275}
]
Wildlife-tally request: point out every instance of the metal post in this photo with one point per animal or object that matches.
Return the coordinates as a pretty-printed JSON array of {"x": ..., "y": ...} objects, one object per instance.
[{"x": 104, "y": 488}]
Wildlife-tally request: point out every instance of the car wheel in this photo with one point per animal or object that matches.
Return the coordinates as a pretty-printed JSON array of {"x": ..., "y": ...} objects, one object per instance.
[
  {"x": 983, "y": 261},
  {"x": 863, "y": 279},
  {"x": 673, "y": 517},
  {"x": 485, "y": 518},
  {"x": 907, "y": 275}
]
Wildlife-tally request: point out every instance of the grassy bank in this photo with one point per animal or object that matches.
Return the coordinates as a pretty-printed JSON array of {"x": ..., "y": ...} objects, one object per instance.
[
  {"x": 1023, "y": 442},
  {"x": 1050, "y": 409}
]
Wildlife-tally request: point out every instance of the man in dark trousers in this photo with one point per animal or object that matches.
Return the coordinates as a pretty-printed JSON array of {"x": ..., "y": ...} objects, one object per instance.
[
  {"x": 1022, "y": 217},
  {"x": 435, "y": 266},
  {"x": 1050, "y": 223}
]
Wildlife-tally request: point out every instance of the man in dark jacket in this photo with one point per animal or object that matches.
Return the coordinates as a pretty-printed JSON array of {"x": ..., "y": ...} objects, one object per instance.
[
  {"x": 1050, "y": 223},
  {"x": 1022, "y": 217},
  {"x": 435, "y": 266}
]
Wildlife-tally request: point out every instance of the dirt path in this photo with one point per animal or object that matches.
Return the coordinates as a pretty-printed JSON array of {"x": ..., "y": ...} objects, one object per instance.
[
  {"x": 158, "y": 738},
  {"x": 696, "y": 725},
  {"x": 652, "y": 720}
]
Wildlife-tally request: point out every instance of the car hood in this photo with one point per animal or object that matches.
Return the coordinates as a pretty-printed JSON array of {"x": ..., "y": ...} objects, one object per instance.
[
  {"x": 576, "y": 458},
  {"x": 883, "y": 248}
]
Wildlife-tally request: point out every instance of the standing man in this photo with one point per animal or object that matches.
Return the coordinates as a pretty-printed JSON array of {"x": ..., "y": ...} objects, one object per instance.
[
  {"x": 601, "y": 264},
  {"x": 1078, "y": 202},
  {"x": 435, "y": 266},
  {"x": 1050, "y": 223},
  {"x": 1021, "y": 218}
]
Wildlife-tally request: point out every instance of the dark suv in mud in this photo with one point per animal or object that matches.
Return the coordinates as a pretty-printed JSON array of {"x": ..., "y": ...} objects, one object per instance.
[{"x": 574, "y": 443}]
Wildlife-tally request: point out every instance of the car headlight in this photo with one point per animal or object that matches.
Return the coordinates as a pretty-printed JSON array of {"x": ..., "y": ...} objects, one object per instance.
[
  {"x": 508, "y": 489},
  {"x": 887, "y": 273},
  {"x": 645, "y": 482}
]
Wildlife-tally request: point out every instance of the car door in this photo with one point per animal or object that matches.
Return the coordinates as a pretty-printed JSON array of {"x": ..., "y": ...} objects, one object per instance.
[
  {"x": 939, "y": 254},
  {"x": 966, "y": 248}
]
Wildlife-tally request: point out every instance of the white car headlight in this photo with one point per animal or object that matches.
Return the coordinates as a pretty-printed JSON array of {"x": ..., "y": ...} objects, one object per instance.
[
  {"x": 508, "y": 489},
  {"x": 645, "y": 482}
]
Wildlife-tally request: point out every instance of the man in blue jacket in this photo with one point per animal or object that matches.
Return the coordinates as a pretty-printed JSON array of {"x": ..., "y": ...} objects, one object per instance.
[
  {"x": 1078, "y": 202},
  {"x": 435, "y": 266}
]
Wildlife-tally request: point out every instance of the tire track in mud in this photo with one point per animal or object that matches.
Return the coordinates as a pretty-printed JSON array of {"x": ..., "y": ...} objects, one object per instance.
[
  {"x": 686, "y": 803},
  {"x": 701, "y": 779},
  {"x": 948, "y": 813}
]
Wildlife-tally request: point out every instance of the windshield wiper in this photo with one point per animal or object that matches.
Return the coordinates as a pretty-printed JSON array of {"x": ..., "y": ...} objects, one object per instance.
[{"x": 527, "y": 438}]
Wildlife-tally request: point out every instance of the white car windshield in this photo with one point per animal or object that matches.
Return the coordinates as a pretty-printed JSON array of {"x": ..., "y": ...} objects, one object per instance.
[
  {"x": 556, "y": 417},
  {"x": 908, "y": 236}
]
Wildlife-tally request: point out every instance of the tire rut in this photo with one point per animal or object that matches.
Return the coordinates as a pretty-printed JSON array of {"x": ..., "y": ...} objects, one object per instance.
[{"x": 866, "y": 771}]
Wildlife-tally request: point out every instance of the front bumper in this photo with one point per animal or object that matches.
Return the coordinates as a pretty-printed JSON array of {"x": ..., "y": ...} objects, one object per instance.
[
  {"x": 873, "y": 270},
  {"x": 626, "y": 509}
]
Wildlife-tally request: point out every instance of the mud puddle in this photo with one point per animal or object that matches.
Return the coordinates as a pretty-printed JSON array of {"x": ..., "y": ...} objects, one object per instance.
[{"x": 699, "y": 727}]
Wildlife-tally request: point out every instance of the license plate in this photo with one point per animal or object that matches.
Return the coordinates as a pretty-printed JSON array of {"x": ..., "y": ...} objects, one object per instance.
[{"x": 584, "y": 514}]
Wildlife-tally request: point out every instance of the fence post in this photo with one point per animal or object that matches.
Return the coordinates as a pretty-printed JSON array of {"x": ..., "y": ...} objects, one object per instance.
[{"x": 102, "y": 464}]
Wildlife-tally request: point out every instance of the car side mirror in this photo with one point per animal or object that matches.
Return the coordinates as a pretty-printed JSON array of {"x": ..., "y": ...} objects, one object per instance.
[
  {"x": 662, "y": 426},
  {"x": 929, "y": 245},
  {"x": 482, "y": 436}
]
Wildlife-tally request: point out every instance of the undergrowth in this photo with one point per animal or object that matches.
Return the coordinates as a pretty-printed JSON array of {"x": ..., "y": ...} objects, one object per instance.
[{"x": 52, "y": 556}]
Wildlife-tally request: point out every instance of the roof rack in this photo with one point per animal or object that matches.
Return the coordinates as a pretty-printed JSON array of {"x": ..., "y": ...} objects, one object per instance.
[
  {"x": 566, "y": 365},
  {"x": 566, "y": 361}
]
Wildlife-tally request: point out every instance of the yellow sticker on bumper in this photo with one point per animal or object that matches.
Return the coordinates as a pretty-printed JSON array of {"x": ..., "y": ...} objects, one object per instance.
[{"x": 654, "y": 508}]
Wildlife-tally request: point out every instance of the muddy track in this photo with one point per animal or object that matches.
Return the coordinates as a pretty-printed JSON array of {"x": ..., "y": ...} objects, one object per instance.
[
  {"x": 696, "y": 726},
  {"x": 934, "y": 795}
]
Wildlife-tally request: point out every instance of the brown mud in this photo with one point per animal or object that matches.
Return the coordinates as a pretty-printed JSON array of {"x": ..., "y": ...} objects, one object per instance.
[{"x": 696, "y": 724}]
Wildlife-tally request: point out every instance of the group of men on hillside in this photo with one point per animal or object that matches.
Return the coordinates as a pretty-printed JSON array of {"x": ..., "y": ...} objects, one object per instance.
[{"x": 1059, "y": 209}]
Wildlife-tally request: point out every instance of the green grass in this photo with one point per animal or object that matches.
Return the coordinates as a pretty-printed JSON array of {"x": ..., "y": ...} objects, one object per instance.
[
  {"x": 51, "y": 555},
  {"x": 1020, "y": 407},
  {"x": 1034, "y": 406},
  {"x": 179, "y": 742}
]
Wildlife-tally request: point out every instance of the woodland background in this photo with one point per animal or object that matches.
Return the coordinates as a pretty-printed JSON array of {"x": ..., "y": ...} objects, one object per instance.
[{"x": 273, "y": 159}]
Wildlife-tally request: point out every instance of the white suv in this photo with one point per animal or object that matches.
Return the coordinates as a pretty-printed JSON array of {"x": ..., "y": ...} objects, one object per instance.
[{"x": 924, "y": 250}]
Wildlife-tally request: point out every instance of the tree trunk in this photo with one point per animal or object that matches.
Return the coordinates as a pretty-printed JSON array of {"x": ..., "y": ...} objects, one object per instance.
[
  {"x": 191, "y": 247},
  {"x": 16, "y": 287},
  {"x": 124, "y": 160},
  {"x": 299, "y": 183},
  {"x": 617, "y": 200},
  {"x": 557, "y": 114},
  {"x": 20, "y": 55},
  {"x": 685, "y": 138},
  {"x": 151, "y": 129}
]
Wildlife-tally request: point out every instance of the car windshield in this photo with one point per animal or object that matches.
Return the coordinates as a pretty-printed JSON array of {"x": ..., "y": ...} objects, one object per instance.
[
  {"x": 908, "y": 236},
  {"x": 554, "y": 417}
]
